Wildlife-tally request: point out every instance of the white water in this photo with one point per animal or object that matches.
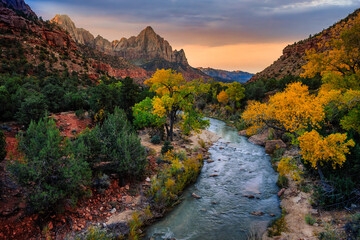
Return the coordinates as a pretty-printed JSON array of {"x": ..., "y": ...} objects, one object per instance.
[{"x": 223, "y": 212}]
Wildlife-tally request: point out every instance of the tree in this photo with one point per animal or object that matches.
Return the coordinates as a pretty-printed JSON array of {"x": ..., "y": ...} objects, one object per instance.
[
  {"x": 317, "y": 150},
  {"x": 174, "y": 94},
  {"x": 223, "y": 97},
  {"x": 293, "y": 110},
  {"x": 144, "y": 116},
  {"x": 115, "y": 145},
  {"x": 32, "y": 108},
  {"x": 129, "y": 93},
  {"x": 235, "y": 92},
  {"x": 48, "y": 170}
]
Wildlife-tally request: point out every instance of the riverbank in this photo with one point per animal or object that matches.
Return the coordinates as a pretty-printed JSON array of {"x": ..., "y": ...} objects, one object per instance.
[{"x": 300, "y": 219}]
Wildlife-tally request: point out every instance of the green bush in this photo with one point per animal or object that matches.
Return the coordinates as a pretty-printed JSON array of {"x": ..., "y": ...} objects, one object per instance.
[
  {"x": 352, "y": 228},
  {"x": 282, "y": 182},
  {"x": 32, "y": 108},
  {"x": 155, "y": 139},
  {"x": 49, "y": 171},
  {"x": 167, "y": 147},
  {"x": 114, "y": 143},
  {"x": 309, "y": 219},
  {"x": 2, "y": 146}
]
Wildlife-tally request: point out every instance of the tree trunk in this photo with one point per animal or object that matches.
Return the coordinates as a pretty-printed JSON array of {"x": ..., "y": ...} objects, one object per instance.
[{"x": 172, "y": 119}]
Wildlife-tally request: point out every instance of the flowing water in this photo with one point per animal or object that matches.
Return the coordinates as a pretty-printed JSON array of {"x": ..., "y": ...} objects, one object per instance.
[{"x": 223, "y": 212}]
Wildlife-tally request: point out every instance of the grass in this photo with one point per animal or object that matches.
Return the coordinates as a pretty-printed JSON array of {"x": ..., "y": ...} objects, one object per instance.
[{"x": 309, "y": 219}]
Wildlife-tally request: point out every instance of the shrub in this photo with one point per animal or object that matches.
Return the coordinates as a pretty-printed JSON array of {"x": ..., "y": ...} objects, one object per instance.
[
  {"x": 155, "y": 139},
  {"x": 174, "y": 177},
  {"x": 2, "y": 146},
  {"x": 95, "y": 234},
  {"x": 114, "y": 143},
  {"x": 278, "y": 226},
  {"x": 32, "y": 108},
  {"x": 352, "y": 228},
  {"x": 49, "y": 171},
  {"x": 167, "y": 147},
  {"x": 282, "y": 182},
  {"x": 309, "y": 219}
]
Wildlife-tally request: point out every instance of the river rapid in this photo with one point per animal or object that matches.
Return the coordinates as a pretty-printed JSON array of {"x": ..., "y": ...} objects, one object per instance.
[{"x": 223, "y": 212}]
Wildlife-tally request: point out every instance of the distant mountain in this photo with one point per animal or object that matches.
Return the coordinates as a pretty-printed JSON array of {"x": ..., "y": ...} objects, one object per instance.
[
  {"x": 18, "y": 5},
  {"x": 227, "y": 76},
  {"x": 293, "y": 58},
  {"x": 31, "y": 46},
  {"x": 147, "y": 50}
]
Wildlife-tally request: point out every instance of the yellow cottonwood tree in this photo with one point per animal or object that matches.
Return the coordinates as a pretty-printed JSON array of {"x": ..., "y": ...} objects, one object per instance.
[
  {"x": 175, "y": 94},
  {"x": 223, "y": 97},
  {"x": 293, "y": 111},
  {"x": 317, "y": 149}
]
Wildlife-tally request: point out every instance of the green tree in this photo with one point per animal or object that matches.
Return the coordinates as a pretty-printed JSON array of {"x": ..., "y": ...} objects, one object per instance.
[
  {"x": 174, "y": 95},
  {"x": 32, "y": 108},
  {"x": 114, "y": 143},
  {"x": 2, "y": 146},
  {"x": 49, "y": 171}
]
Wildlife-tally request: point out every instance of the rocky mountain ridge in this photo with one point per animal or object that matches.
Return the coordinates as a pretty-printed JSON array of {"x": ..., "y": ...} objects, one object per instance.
[
  {"x": 35, "y": 45},
  {"x": 146, "y": 46},
  {"x": 147, "y": 50},
  {"x": 227, "y": 76},
  {"x": 18, "y": 5},
  {"x": 293, "y": 57}
]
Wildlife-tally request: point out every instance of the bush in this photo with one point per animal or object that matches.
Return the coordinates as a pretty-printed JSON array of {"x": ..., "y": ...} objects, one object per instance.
[
  {"x": 32, "y": 108},
  {"x": 114, "y": 143},
  {"x": 309, "y": 219},
  {"x": 2, "y": 146},
  {"x": 155, "y": 139},
  {"x": 282, "y": 182},
  {"x": 167, "y": 147},
  {"x": 352, "y": 228},
  {"x": 49, "y": 171}
]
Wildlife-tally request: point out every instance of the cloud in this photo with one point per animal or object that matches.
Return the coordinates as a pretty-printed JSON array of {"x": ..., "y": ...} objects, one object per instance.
[{"x": 206, "y": 23}]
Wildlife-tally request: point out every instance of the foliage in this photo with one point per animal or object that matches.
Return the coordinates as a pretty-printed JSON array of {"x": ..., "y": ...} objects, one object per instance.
[
  {"x": 287, "y": 166},
  {"x": 330, "y": 233},
  {"x": 144, "y": 115},
  {"x": 175, "y": 94},
  {"x": 223, "y": 97},
  {"x": 293, "y": 110},
  {"x": 309, "y": 219},
  {"x": 317, "y": 149},
  {"x": 352, "y": 228},
  {"x": 174, "y": 177},
  {"x": 2, "y": 146},
  {"x": 48, "y": 170},
  {"x": 278, "y": 226},
  {"x": 282, "y": 182},
  {"x": 155, "y": 139},
  {"x": 166, "y": 147},
  {"x": 135, "y": 224},
  {"x": 32, "y": 108},
  {"x": 235, "y": 92},
  {"x": 94, "y": 233},
  {"x": 114, "y": 143}
]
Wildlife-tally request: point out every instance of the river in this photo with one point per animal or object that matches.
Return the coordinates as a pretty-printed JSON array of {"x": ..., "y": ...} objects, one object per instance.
[{"x": 223, "y": 212}]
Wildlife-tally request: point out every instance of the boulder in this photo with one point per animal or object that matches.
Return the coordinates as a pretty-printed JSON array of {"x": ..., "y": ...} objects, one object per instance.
[
  {"x": 242, "y": 133},
  {"x": 272, "y": 145},
  {"x": 260, "y": 139},
  {"x": 194, "y": 195},
  {"x": 257, "y": 213}
]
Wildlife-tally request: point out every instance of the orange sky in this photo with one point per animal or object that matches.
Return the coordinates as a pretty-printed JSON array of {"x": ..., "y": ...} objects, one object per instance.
[
  {"x": 244, "y": 35},
  {"x": 249, "y": 57}
]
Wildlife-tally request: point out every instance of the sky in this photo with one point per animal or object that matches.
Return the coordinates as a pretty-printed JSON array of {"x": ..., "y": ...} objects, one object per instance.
[{"x": 246, "y": 35}]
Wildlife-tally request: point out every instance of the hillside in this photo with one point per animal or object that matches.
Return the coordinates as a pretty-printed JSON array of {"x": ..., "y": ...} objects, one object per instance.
[
  {"x": 227, "y": 76},
  {"x": 293, "y": 57},
  {"x": 30, "y": 46},
  {"x": 148, "y": 50}
]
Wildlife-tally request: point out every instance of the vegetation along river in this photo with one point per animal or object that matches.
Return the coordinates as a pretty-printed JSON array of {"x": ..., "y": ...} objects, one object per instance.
[{"x": 223, "y": 212}]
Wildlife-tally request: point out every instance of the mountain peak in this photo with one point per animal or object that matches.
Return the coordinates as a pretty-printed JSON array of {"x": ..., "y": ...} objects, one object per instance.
[
  {"x": 18, "y": 5},
  {"x": 148, "y": 31}
]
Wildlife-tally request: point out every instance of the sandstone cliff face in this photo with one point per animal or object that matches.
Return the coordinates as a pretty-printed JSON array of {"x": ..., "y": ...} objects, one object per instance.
[
  {"x": 18, "y": 5},
  {"x": 293, "y": 58},
  {"x": 80, "y": 35},
  {"x": 140, "y": 49}
]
